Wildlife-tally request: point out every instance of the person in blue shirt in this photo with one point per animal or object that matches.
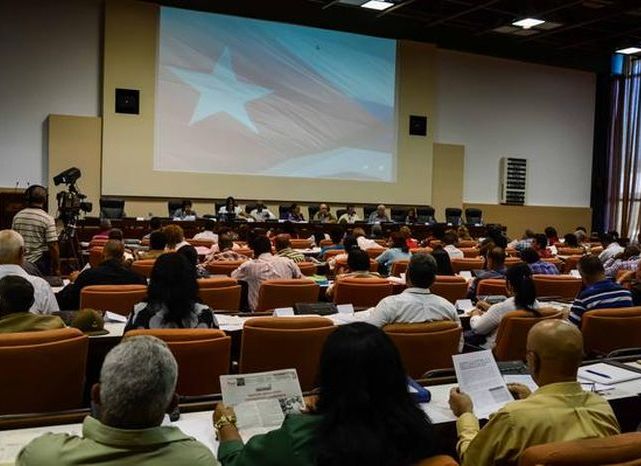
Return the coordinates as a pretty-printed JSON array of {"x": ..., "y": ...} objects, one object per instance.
[
  {"x": 397, "y": 251},
  {"x": 336, "y": 235}
]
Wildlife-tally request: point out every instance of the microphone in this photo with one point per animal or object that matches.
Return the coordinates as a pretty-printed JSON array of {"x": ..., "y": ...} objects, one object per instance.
[{"x": 17, "y": 184}]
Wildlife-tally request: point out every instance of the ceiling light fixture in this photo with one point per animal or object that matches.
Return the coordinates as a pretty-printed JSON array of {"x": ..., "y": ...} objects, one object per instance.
[
  {"x": 629, "y": 50},
  {"x": 527, "y": 23},
  {"x": 377, "y": 5}
]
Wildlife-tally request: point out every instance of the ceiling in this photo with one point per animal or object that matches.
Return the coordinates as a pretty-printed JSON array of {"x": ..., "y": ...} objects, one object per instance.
[{"x": 583, "y": 33}]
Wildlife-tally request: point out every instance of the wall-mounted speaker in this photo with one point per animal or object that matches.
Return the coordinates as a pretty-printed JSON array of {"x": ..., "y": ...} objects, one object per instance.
[
  {"x": 418, "y": 125},
  {"x": 128, "y": 101}
]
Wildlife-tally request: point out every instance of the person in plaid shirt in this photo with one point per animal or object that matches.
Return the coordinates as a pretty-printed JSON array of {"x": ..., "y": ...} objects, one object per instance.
[
  {"x": 225, "y": 252},
  {"x": 626, "y": 261},
  {"x": 538, "y": 266}
]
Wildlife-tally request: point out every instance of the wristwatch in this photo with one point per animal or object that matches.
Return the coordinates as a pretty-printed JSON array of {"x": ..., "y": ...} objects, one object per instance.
[{"x": 225, "y": 420}]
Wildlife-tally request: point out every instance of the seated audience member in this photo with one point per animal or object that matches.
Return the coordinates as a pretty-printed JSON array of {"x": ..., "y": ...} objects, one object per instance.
[
  {"x": 560, "y": 410},
  {"x": 411, "y": 216},
  {"x": 625, "y": 261},
  {"x": 379, "y": 215},
  {"x": 540, "y": 245},
  {"x": 552, "y": 236},
  {"x": 485, "y": 319},
  {"x": 537, "y": 266},
  {"x": 175, "y": 237},
  {"x": 157, "y": 245},
  {"x": 495, "y": 268},
  {"x": 283, "y": 247},
  {"x": 358, "y": 264},
  {"x": 363, "y": 416},
  {"x": 411, "y": 242},
  {"x": 463, "y": 233},
  {"x": 496, "y": 236},
  {"x": 186, "y": 212},
  {"x": 336, "y": 236},
  {"x": 631, "y": 280},
  {"x": 208, "y": 232},
  {"x": 363, "y": 241},
  {"x": 265, "y": 266},
  {"x": 570, "y": 241},
  {"x": 376, "y": 232},
  {"x": 294, "y": 214},
  {"x": 190, "y": 253},
  {"x": 261, "y": 213},
  {"x": 137, "y": 387},
  {"x": 117, "y": 235},
  {"x": 443, "y": 263},
  {"x": 397, "y": 251},
  {"x": 155, "y": 224},
  {"x": 350, "y": 216},
  {"x": 599, "y": 292},
  {"x": 11, "y": 260},
  {"x": 524, "y": 243},
  {"x": 172, "y": 298},
  {"x": 450, "y": 240},
  {"x": 611, "y": 246},
  {"x": 324, "y": 215},
  {"x": 111, "y": 271},
  {"x": 349, "y": 243},
  {"x": 16, "y": 298},
  {"x": 416, "y": 304},
  {"x": 105, "y": 228},
  {"x": 225, "y": 252}
]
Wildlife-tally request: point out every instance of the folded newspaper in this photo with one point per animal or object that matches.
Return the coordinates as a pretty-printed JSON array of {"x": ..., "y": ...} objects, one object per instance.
[{"x": 262, "y": 400}]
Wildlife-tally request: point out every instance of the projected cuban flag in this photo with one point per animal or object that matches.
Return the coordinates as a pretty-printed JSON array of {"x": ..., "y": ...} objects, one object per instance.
[{"x": 241, "y": 96}]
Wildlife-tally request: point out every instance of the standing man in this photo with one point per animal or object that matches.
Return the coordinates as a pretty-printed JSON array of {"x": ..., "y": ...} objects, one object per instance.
[{"x": 38, "y": 229}]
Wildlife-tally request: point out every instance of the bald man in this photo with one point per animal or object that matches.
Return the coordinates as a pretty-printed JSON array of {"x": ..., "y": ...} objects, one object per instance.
[
  {"x": 559, "y": 410},
  {"x": 111, "y": 271}
]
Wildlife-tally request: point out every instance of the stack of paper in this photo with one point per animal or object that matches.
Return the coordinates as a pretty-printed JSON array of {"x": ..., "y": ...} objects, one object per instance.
[{"x": 606, "y": 374}]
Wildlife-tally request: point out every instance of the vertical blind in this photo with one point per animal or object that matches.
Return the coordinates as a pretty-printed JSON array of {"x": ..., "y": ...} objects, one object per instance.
[{"x": 623, "y": 209}]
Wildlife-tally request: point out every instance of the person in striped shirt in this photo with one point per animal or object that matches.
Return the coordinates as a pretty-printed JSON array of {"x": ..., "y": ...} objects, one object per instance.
[
  {"x": 599, "y": 292},
  {"x": 625, "y": 261},
  {"x": 538, "y": 266},
  {"x": 283, "y": 247}
]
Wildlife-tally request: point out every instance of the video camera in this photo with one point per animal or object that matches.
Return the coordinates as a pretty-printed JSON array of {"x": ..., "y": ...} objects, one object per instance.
[{"x": 70, "y": 202}]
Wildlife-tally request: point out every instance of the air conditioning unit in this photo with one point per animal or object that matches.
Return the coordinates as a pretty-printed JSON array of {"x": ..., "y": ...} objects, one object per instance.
[{"x": 513, "y": 182}]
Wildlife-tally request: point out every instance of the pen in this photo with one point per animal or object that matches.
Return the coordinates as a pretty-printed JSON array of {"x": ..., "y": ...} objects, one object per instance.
[{"x": 605, "y": 376}]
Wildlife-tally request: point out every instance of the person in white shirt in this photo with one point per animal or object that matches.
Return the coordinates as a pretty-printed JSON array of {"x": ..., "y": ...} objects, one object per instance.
[
  {"x": 265, "y": 267},
  {"x": 416, "y": 304},
  {"x": 485, "y": 320},
  {"x": 379, "y": 215},
  {"x": 208, "y": 232},
  {"x": 11, "y": 258},
  {"x": 261, "y": 213},
  {"x": 363, "y": 241},
  {"x": 350, "y": 216},
  {"x": 450, "y": 239},
  {"x": 613, "y": 248},
  {"x": 231, "y": 211},
  {"x": 175, "y": 237}
]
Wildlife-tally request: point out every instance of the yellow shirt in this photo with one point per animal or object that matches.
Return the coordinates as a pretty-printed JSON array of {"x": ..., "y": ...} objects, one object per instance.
[{"x": 554, "y": 413}]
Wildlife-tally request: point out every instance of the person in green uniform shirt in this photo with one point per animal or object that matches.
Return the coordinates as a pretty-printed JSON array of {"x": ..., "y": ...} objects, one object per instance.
[
  {"x": 364, "y": 414},
  {"x": 16, "y": 298}
]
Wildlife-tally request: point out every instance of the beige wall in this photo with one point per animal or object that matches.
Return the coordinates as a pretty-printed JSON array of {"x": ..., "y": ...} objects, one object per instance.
[{"x": 448, "y": 177}]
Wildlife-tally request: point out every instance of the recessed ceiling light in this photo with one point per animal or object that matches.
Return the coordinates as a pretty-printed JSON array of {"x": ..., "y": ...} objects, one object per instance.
[
  {"x": 377, "y": 5},
  {"x": 527, "y": 23},
  {"x": 629, "y": 50}
]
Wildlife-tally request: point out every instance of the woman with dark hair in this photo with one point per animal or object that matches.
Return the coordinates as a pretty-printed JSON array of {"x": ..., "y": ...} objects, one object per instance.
[
  {"x": 397, "y": 251},
  {"x": 190, "y": 253},
  {"x": 443, "y": 263},
  {"x": 551, "y": 235},
  {"x": 231, "y": 211},
  {"x": 485, "y": 320},
  {"x": 294, "y": 214},
  {"x": 172, "y": 298},
  {"x": 364, "y": 414}
]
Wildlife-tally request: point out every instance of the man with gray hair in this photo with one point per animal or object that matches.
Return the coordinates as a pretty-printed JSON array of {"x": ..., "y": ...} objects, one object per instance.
[
  {"x": 136, "y": 389},
  {"x": 11, "y": 260},
  {"x": 416, "y": 304}
]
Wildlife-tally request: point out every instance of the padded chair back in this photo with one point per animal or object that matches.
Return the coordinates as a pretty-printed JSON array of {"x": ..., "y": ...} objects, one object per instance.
[
  {"x": 471, "y": 253},
  {"x": 373, "y": 253},
  {"x": 510, "y": 261},
  {"x": 617, "y": 450},
  {"x": 143, "y": 267},
  {"x": 399, "y": 267},
  {"x": 511, "y": 336},
  {"x": 449, "y": 287},
  {"x": 563, "y": 251},
  {"x": 95, "y": 256},
  {"x": 570, "y": 263},
  {"x": 172, "y": 206},
  {"x": 491, "y": 286},
  {"x": 425, "y": 346},
  {"x": 469, "y": 243},
  {"x": 467, "y": 264},
  {"x": 361, "y": 292},
  {"x": 223, "y": 267},
  {"x": 42, "y": 371},
  {"x": 473, "y": 215},
  {"x": 605, "y": 330},
  {"x": 112, "y": 208},
  {"x": 203, "y": 355},
  {"x": 245, "y": 252},
  {"x": 421, "y": 250},
  {"x": 311, "y": 211},
  {"x": 398, "y": 214},
  {"x": 439, "y": 460},
  {"x": 283, "y": 211},
  {"x": 340, "y": 212},
  {"x": 115, "y": 298},
  {"x": 300, "y": 243},
  {"x": 453, "y": 215},
  {"x": 220, "y": 293},
  {"x": 201, "y": 243},
  {"x": 564, "y": 286},
  {"x": 285, "y": 293},
  {"x": 368, "y": 210},
  {"x": 271, "y": 343},
  {"x": 307, "y": 268},
  {"x": 425, "y": 214}
]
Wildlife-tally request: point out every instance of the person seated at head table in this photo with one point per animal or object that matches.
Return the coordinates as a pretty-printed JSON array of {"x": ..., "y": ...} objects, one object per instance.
[
  {"x": 379, "y": 215},
  {"x": 485, "y": 319},
  {"x": 172, "y": 298},
  {"x": 416, "y": 304},
  {"x": 411, "y": 216},
  {"x": 358, "y": 264},
  {"x": 12, "y": 263},
  {"x": 231, "y": 211},
  {"x": 324, "y": 215},
  {"x": 495, "y": 268},
  {"x": 111, "y": 271},
  {"x": 208, "y": 231},
  {"x": 283, "y": 247},
  {"x": 264, "y": 266},
  {"x": 363, "y": 401},
  {"x": 186, "y": 212},
  {"x": 411, "y": 242},
  {"x": 16, "y": 298},
  {"x": 560, "y": 410},
  {"x": 224, "y": 252},
  {"x": 157, "y": 246},
  {"x": 336, "y": 235},
  {"x": 137, "y": 387},
  {"x": 540, "y": 245},
  {"x": 627, "y": 260},
  {"x": 363, "y": 241},
  {"x": 599, "y": 292},
  {"x": 537, "y": 266},
  {"x": 451, "y": 240},
  {"x": 397, "y": 250},
  {"x": 155, "y": 224},
  {"x": 105, "y": 228},
  {"x": 190, "y": 253},
  {"x": 294, "y": 214},
  {"x": 443, "y": 262},
  {"x": 350, "y": 216},
  {"x": 175, "y": 237},
  {"x": 261, "y": 213}
]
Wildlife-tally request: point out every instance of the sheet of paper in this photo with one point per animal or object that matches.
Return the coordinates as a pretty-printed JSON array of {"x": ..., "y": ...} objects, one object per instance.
[
  {"x": 345, "y": 308},
  {"x": 464, "y": 305},
  {"x": 113, "y": 317},
  {"x": 466, "y": 274},
  {"x": 479, "y": 377},
  {"x": 575, "y": 273},
  {"x": 284, "y": 311},
  {"x": 526, "y": 380},
  {"x": 606, "y": 374}
]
